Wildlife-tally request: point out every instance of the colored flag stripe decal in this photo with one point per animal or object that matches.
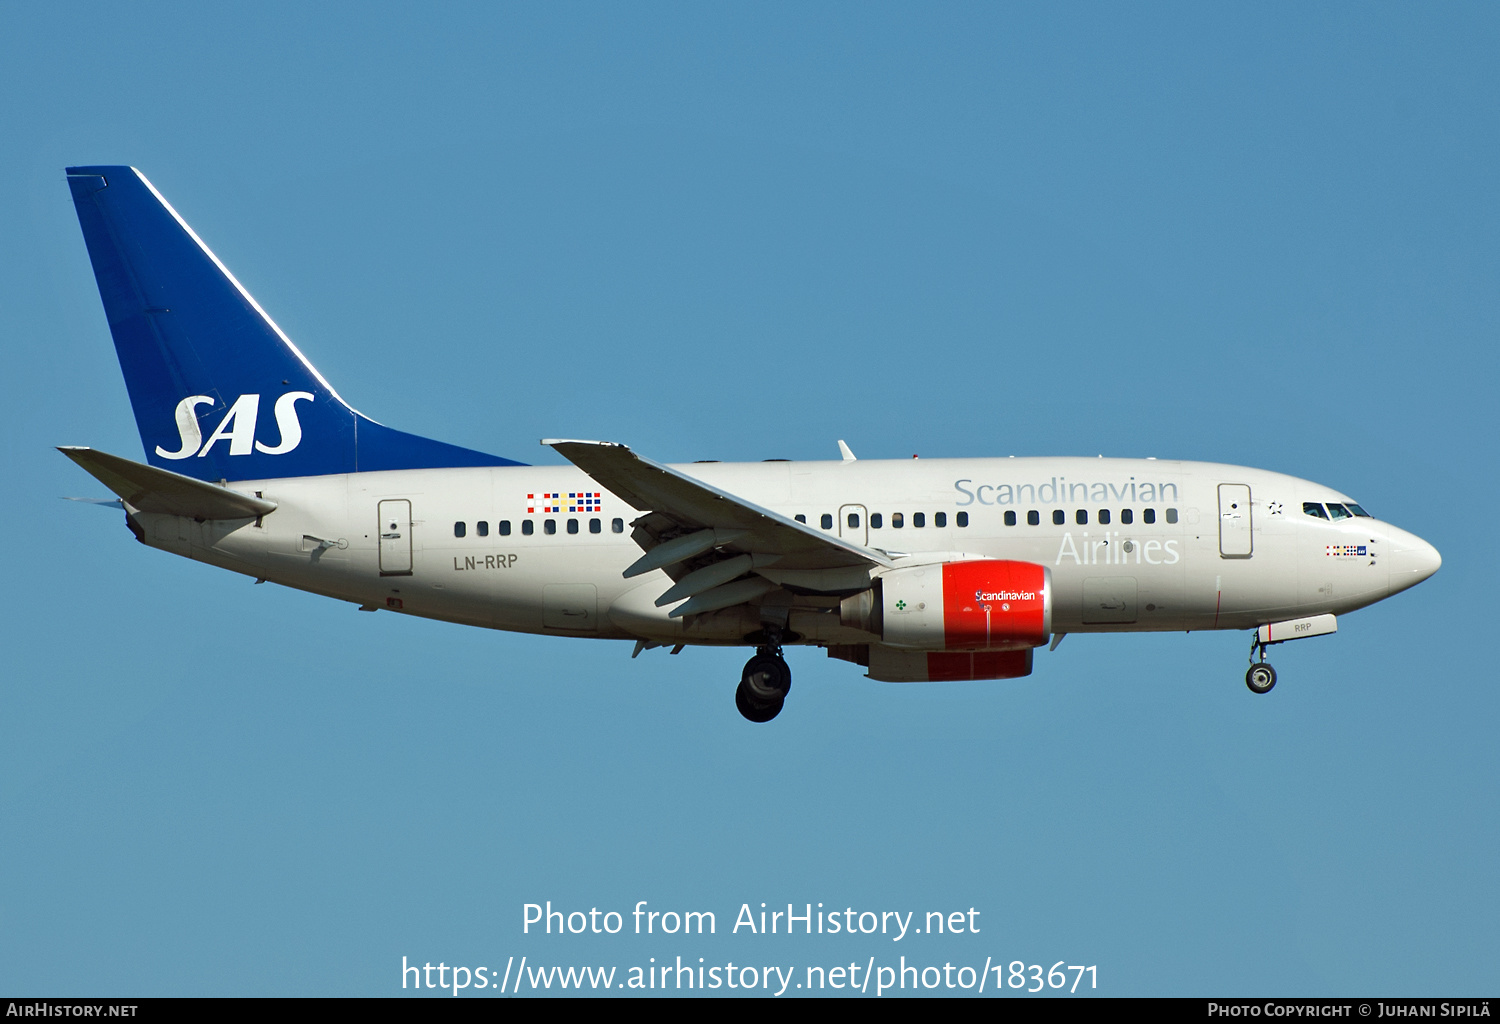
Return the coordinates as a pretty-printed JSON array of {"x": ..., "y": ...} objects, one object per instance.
[{"x": 572, "y": 501}]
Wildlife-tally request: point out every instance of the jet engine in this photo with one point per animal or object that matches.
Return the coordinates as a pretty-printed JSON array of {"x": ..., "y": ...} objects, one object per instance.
[{"x": 984, "y": 604}]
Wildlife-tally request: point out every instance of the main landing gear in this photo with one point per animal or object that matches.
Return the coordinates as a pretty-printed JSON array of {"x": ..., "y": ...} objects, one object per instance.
[
  {"x": 1261, "y": 676},
  {"x": 764, "y": 684}
]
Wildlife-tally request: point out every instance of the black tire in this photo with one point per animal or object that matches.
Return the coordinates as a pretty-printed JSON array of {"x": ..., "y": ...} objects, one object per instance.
[
  {"x": 754, "y": 710},
  {"x": 766, "y": 678},
  {"x": 1261, "y": 678}
]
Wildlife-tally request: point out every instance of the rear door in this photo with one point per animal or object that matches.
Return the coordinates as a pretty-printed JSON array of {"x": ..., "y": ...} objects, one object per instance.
[{"x": 395, "y": 537}]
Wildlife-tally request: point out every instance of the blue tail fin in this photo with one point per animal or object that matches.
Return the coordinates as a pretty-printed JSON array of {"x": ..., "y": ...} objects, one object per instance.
[{"x": 219, "y": 392}]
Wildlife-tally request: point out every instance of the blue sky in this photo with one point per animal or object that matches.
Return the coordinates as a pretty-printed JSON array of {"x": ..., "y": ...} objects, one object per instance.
[{"x": 1257, "y": 235}]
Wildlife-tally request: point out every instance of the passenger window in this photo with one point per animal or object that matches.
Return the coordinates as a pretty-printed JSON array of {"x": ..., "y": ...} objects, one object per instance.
[
  {"x": 504, "y": 527},
  {"x": 1104, "y": 517},
  {"x": 827, "y": 521},
  {"x": 549, "y": 526},
  {"x": 1081, "y": 517},
  {"x": 1358, "y": 511},
  {"x": 1337, "y": 511},
  {"x": 1033, "y": 518},
  {"x": 1059, "y": 517},
  {"x": 1127, "y": 516},
  {"x": 1010, "y": 519},
  {"x": 617, "y": 526},
  {"x": 962, "y": 519},
  {"x": 919, "y": 519},
  {"x": 876, "y": 520},
  {"x": 595, "y": 526},
  {"x": 940, "y": 519},
  {"x": 482, "y": 528},
  {"x": 1171, "y": 515},
  {"x": 853, "y": 520},
  {"x": 897, "y": 521},
  {"x": 459, "y": 529},
  {"x": 528, "y": 527},
  {"x": 800, "y": 518},
  {"x": 1149, "y": 516}
]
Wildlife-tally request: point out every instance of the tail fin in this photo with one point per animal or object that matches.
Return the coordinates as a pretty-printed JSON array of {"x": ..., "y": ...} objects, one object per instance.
[{"x": 219, "y": 392}]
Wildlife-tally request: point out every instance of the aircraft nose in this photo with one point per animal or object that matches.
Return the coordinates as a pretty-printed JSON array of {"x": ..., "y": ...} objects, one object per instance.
[{"x": 1412, "y": 559}]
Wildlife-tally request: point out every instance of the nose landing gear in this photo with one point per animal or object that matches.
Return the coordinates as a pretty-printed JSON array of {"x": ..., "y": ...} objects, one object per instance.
[
  {"x": 1261, "y": 677},
  {"x": 764, "y": 684}
]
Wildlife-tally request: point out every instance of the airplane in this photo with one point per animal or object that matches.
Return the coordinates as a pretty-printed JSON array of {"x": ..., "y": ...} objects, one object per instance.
[{"x": 922, "y": 570}]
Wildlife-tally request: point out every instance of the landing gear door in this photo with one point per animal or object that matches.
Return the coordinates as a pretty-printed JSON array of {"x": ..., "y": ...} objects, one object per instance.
[
  {"x": 395, "y": 537},
  {"x": 1234, "y": 521},
  {"x": 854, "y": 524}
]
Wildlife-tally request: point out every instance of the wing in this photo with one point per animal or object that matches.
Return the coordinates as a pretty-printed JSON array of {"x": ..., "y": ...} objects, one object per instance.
[{"x": 706, "y": 538}]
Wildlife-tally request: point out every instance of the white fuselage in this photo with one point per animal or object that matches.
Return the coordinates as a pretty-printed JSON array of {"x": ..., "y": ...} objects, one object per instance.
[{"x": 1173, "y": 555}]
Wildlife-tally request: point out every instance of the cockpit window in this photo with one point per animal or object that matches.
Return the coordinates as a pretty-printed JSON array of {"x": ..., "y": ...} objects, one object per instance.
[
  {"x": 1357, "y": 510},
  {"x": 1338, "y": 511},
  {"x": 1312, "y": 508}
]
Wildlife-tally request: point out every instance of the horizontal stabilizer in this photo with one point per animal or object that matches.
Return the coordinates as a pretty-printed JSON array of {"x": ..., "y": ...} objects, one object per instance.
[{"x": 159, "y": 490}]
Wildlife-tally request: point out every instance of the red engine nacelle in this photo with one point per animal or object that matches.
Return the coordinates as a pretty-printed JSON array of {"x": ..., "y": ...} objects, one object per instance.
[{"x": 988, "y": 604}]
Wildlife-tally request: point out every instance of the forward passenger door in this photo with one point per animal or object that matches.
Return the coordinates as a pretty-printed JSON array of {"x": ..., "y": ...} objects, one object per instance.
[{"x": 1235, "y": 540}]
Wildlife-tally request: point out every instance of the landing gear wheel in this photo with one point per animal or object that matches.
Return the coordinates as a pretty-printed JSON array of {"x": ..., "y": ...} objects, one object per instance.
[
  {"x": 1260, "y": 678},
  {"x": 754, "y": 710},
  {"x": 767, "y": 677},
  {"x": 764, "y": 684}
]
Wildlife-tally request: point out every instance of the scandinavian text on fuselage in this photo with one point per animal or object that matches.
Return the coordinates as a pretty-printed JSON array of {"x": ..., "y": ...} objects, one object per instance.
[{"x": 1060, "y": 489}]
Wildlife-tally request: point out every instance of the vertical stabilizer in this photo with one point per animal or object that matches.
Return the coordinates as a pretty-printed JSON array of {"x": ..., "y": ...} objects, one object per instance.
[{"x": 219, "y": 392}]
